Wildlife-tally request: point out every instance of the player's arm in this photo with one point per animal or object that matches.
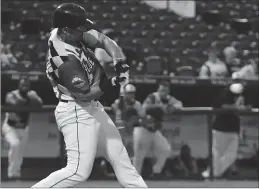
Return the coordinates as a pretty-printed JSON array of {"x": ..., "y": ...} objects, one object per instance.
[
  {"x": 115, "y": 106},
  {"x": 173, "y": 102},
  {"x": 204, "y": 72},
  {"x": 117, "y": 112},
  {"x": 9, "y": 99},
  {"x": 96, "y": 39},
  {"x": 74, "y": 78},
  {"x": 102, "y": 56},
  {"x": 35, "y": 99}
]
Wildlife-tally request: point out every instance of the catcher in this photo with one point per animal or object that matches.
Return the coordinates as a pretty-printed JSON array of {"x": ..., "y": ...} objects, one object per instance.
[
  {"x": 149, "y": 136},
  {"x": 128, "y": 112}
]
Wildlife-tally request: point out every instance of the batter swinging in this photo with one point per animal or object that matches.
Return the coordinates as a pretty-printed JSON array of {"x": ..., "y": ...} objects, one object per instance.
[{"x": 78, "y": 80}]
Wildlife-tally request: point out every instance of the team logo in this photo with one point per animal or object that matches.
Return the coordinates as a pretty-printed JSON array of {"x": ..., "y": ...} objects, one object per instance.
[{"x": 78, "y": 82}]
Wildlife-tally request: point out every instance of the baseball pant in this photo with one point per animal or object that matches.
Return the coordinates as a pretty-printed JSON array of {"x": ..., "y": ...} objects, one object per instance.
[
  {"x": 86, "y": 129},
  {"x": 143, "y": 141},
  {"x": 224, "y": 151},
  {"x": 17, "y": 140}
]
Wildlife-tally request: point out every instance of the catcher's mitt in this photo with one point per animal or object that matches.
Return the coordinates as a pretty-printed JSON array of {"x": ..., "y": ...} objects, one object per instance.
[
  {"x": 149, "y": 123},
  {"x": 156, "y": 113}
]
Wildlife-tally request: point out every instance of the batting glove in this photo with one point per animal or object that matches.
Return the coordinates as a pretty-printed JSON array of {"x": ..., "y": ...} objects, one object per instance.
[
  {"x": 121, "y": 66},
  {"x": 106, "y": 83}
]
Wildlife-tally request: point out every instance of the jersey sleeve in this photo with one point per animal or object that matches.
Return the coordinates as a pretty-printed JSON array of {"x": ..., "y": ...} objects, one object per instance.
[
  {"x": 91, "y": 37},
  {"x": 174, "y": 102},
  {"x": 115, "y": 106},
  {"x": 9, "y": 99},
  {"x": 151, "y": 99},
  {"x": 74, "y": 77}
]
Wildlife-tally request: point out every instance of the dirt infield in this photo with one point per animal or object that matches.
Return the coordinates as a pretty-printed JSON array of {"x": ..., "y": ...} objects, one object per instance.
[{"x": 151, "y": 184}]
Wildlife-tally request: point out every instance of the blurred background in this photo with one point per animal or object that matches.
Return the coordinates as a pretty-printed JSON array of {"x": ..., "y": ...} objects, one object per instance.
[{"x": 161, "y": 39}]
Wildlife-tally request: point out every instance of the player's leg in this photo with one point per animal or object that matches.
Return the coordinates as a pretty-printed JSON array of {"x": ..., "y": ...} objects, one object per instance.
[
  {"x": 23, "y": 136},
  {"x": 162, "y": 150},
  {"x": 116, "y": 153},
  {"x": 230, "y": 153},
  {"x": 81, "y": 133},
  {"x": 12, "y": 138},
  {"x": 218, "y": 145},
  {"x": 142, "y": 141}
]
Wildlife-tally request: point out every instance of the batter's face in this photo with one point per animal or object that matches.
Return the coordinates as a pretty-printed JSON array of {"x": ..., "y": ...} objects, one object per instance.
[{"x": 163, "y": 91}]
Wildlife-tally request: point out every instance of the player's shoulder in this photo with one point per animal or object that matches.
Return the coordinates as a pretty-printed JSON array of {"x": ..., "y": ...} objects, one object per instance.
[
  {"x": 137, "y": 103},
  {"x": 12, "y": 93},
  {"x": 32, "y": 91},
  {"x": 117, "y": 101},
  {"x": 151, "y": 96},
  {"x": 59, "y": 51}
]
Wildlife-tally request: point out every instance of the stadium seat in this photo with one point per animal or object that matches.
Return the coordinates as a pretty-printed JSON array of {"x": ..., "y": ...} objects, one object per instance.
[{"x": 143, "y": 26}]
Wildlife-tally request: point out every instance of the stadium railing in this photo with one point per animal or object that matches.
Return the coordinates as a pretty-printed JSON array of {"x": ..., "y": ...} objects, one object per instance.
[{"x": 209, "y": 112}]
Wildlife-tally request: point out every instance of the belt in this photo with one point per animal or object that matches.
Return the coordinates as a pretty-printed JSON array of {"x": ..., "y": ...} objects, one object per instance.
[
  {"x": 66, "y": 101},
  {"x": 61, "y": 100}
]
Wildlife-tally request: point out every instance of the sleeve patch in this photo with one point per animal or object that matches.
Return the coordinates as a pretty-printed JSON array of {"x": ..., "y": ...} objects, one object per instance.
[{"x": 78, "y": 82}]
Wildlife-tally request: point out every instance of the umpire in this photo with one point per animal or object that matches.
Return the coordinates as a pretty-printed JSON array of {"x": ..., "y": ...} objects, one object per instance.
[{"x": 226, "y": 128}]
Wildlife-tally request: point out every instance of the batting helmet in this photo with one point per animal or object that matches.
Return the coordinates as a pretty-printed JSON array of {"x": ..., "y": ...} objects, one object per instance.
[
  {"x": 70, "y": 15},
  {"x": 129, "y": 88}
]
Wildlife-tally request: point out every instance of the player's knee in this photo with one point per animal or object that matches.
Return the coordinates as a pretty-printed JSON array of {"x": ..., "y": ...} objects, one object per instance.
[{"x": 82, "y": 176}]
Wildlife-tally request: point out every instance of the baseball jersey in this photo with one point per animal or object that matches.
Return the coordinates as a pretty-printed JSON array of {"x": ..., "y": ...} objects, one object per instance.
[
  {"x": 218, "y": 69},
  {"x": 59, "y": 53},
  {"x": 102, "y": 56},
  {"x": 17, "y": 119}
]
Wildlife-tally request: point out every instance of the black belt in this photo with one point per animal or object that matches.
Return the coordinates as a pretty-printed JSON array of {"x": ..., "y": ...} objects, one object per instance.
[
  {"x": 61, "y": 100},
  {"x": 66, "y": 101}
]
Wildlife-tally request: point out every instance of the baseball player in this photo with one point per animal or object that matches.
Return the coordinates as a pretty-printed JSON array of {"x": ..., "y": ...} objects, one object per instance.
[
  {"x": 226, "y": 129},
  {"x": 149, "y": 137},
  {"x": 78, "y": 81},
  {"x": 15, "y": 126},
  {"x": 128, "y": 111}
]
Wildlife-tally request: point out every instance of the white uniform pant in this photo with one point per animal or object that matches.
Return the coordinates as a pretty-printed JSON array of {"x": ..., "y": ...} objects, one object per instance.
[
  {"x": 17, "y": 140},
  {"x": 86, "y": 129},
  {"x": 143, "y": 142},
  {"x": 224, "y": 150}
]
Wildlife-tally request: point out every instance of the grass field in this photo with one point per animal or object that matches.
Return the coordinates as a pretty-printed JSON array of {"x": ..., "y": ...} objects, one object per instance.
[{"x": 151, "y": 184}]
